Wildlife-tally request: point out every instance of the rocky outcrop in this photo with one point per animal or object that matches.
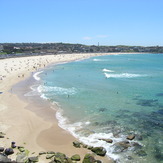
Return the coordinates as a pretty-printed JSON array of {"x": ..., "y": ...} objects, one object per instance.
[
  {"x": 22, "y": 157},
  {"x": 2, "y": 135},
  {"x": 130, "y": 137},
  {"x": 42, "y": 153},
  {"x": 4, "y": 158},
  {"x": 99, "y": 151},
  {"x": 1, "y": 149},
  {"x": 107, "y": 140},
  {"x": 75, "y": 157},
  {"x": 76, "y": 144},
  {"x": 9, "y": 151},
  {"x": 141, "y": 153},
  {"x": 121, "y": 146},
  {"x": 33, "y": 159},
  {"x": 88, "y": 158}
]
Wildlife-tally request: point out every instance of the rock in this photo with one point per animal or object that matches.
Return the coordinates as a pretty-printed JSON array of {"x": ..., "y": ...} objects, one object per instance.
[
  {"x": 98, "y": 161},
  {"x": 4, "y": 158},
  {"x": 102, "y": 109},
  {"x": 88, "y": 158},
  {"x": 75, "y": 157},
  {"x": 50, "y": 152},
  {"x": 76, "y": 144},
  {"x": 13, "y": 145},
  {"x": 2, "y": 136},
  {"x": 99, "y": 151},
  {"x": 1, "y": 149},
  {"x": 21, "y": 149},
  {"x": 42, "y": 153},
  {"x": 141, "y": 153},
  {"x": 139, "y": 137},
  {"x": 136, "y": 146},
  {"x": 130, "y": 158},
  {"x": 22, "y": 157},
  {"x": 2, "y": 133},
  {"x": 33, "y": 159},
  {"x": 85, "y": 146},
  {"x": 90, "y": 147},
  {"x": 121, "y": 146},
  {"x": 130, "y": 137},
  {"x": 61, "y": 158},
  {"x": 9, "y": 151},
  {"x": 49, "y": 156},
  {"x": 107, "y": 140}
]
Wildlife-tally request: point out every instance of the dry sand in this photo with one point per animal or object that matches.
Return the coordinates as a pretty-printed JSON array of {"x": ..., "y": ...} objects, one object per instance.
[{"x": 33, "y": 128}]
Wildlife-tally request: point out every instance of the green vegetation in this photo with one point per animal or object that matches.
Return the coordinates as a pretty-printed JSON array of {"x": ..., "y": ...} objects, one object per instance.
[
  {"x": 58, "y": 48},
  {"x": 3, "y": 53}
]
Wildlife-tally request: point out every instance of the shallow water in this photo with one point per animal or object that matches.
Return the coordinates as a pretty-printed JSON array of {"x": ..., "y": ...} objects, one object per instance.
[{"x": 110, "y": 97}]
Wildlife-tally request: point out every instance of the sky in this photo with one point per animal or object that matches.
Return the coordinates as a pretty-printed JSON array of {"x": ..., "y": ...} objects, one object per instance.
[{"x": 107, "y": 22}]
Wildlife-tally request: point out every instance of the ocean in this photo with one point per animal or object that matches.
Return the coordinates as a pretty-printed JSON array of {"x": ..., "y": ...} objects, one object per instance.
[{"x": 109, "y": 97}]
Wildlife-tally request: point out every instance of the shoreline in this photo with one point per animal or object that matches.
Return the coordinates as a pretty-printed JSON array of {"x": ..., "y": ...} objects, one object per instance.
[{"x": 30, "y": 126}]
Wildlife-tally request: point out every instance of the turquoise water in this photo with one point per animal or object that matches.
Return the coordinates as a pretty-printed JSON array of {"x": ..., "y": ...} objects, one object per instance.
[{"x": 111, "y": 97}]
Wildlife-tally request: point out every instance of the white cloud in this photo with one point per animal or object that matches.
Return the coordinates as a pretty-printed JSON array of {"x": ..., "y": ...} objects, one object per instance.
[
  {"x": 102, "y": 36},
  {"x": 87, "y": 38}
]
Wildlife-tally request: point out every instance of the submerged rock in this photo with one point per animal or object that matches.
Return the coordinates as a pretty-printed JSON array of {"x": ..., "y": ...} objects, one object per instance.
[
  {"x": 159, "y": 94},
  {"x": 75, "y": 157},
  {"x": 149, "y": 103},
  {"x": 102, "y": 109},
  {"x": 141, "y": 153},
  {"x": 107, "y": 140},
  {"x": 121, "y": 146},
  {"x": 99, "y": 151}
]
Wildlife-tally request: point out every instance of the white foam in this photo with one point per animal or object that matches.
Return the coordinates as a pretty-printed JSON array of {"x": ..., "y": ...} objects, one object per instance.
[
  {"x": 99, "y": 60},
  {"x": 57, "y": 90},
  {"x": 92, "y": 139},
  {"x": 35, "y": 75},
  {"x": 44, "y": 97},
  {"x": 33, "y": 91},
  {"x": 106, "y": 70},
  {"x": 123, "y": 75}
]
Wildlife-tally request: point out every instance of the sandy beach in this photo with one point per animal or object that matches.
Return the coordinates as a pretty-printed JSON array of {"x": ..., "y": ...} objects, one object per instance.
[{"x": 27, "y": 123}]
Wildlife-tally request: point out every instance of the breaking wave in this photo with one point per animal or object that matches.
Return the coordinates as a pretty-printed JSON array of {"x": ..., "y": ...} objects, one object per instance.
[
  {"x": 99, "y": 60},
  {"x": 106, "y": 70},
  {"x": 92, "y": 139},
  {"x": 123, "y": 75},
  {"x": 35, "y": 75},
  {"x": 57, "y": 90}
]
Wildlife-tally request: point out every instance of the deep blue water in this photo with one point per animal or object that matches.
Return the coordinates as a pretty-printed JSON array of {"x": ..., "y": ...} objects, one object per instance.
[{"x": 111, "y": 97}]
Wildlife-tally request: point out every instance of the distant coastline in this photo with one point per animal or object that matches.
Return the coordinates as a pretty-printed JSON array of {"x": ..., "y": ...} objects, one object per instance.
[{"x": 10, "y": 50}]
